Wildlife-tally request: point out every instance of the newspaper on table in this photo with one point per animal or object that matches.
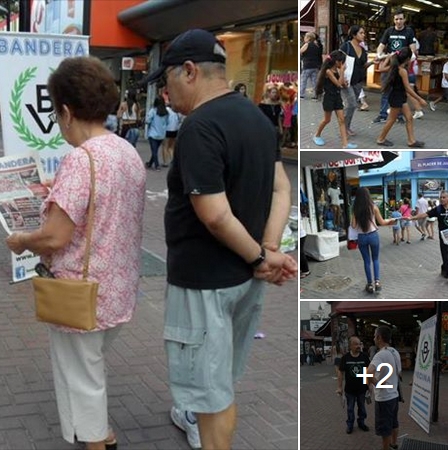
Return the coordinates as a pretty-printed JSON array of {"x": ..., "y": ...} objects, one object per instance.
[
  {"x": 21, "y": 196},
  {"x": 21, "y": 192}
]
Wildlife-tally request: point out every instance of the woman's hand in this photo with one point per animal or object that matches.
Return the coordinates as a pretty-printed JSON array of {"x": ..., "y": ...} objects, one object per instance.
[{"x": 15, "y": 243}]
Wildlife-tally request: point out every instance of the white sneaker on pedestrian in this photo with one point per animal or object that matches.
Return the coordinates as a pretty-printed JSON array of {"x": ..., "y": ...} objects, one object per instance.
[
  {"x": 418, "y": 115},
  {"x": 184, "y": 421},
  {"x": 432, "y": 106}
]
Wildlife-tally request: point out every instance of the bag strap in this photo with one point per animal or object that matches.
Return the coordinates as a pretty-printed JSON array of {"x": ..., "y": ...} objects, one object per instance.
[{"x": 91, "y": 211}]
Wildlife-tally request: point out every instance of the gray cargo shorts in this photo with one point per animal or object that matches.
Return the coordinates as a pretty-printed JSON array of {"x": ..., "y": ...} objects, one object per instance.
[{"x": 208, "y": 334}]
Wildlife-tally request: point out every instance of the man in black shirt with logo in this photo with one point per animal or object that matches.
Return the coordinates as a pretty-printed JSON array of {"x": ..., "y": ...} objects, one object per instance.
[
  {"x": 394, "y": 39},
  {"x": 352, "y": 363},
  {"x": 441, "y": 212}
]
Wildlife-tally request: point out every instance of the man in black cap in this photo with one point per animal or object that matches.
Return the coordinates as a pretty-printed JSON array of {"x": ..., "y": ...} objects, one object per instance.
[{"x": 228, "y": 203}]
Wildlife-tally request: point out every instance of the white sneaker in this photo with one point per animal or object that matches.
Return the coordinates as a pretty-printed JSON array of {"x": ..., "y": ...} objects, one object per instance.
[
  {"x": 418, "y": 115},
  {"x": 432, "y": 106},
  {"x": 183, "y": 421}
]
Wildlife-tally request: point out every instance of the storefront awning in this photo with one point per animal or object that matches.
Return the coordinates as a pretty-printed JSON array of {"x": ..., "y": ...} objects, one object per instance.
[
  {"x": 307, "y": 14},
  {"x": 310, "y": 336},
  {"x": 324, "y": 330},
  {"x": 347, "y": 158},
  {"x": 371, "y": 307},
  {"x": 162, "y": 20}
]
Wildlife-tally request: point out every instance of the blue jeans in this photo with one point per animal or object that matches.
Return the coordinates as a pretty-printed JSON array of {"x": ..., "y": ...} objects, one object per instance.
[
  {"x": 308, "y": 74},
  {"x": 154, "y": 144},
  {"x": 369, "y": 246},
  {"x": 362, "y": 413}
]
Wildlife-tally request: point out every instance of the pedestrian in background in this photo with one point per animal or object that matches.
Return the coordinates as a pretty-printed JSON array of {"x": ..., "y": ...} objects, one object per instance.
[
  {"x": 157, "y": 121},
  {"x": 241, "y": 88},
  {"x": 441, "y": 213},
  {"x": 330, "y": 83},
  {"x": 350, "y": 94},
  {"x": 223, "y": 231},
  {"x": 406, "y": 214},
  {"x": 421, "y": 207},
  {"x": 386, "y": 398},
  {"x": 354, "y": 362},
  {"x": 366, "y": 216},
  {"x": 311, "y": 60},
  {"x": 83, "y": 92},
  {"x": 430, "y": 221},
  {"x": 128, "y": 115},
  {"x": 444, "y": 96},
  {"x": 396, "y": 227},
  {"x": 172, "y": 128}
]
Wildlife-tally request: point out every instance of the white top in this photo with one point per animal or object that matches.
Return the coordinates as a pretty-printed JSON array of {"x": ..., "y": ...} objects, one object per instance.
[
  {"x": 391, "y": 356},
  {"x": 302, "y": 230},
  {"x": 422, "y": 205},
  {"x": 445, "y": 71},
  {"x": 334, "y": 193}
]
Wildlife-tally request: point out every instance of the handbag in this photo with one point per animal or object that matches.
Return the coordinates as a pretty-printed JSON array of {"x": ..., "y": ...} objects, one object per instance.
[
  {"x": 352, "y": 238},
  {"x": 349, "y": 65},
  {"x": 400, "y": 379},
  {"x": 68, "y": 302}
]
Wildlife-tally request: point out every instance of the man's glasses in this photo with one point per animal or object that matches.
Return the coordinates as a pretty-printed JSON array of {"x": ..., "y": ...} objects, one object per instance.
[
  {"x": 53, "y": 117},
  {"x": 164, "y": 77}
]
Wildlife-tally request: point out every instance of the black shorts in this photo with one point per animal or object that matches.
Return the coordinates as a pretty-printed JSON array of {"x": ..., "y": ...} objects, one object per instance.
[
  {"x": 171, "y": 134},
  {"x": 386, "y": 417},
  {"x": 397, "y": 99},
  {"x": 332, "y": 102}
]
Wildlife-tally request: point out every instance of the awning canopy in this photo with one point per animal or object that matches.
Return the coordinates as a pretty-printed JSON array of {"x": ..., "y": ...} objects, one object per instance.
[
  {"x": 310, "y": 336},
  {"x": 324, "y": 330},
  {"x": 307, "y": 14},
  {"x": 162, "y": 20},
  {"x": 372, "y": 307},
  {"x": 343, "y": 159}
]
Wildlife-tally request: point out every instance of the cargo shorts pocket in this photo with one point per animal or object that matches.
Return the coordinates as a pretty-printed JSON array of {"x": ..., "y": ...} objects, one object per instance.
[{"x": 187, "y": 356}]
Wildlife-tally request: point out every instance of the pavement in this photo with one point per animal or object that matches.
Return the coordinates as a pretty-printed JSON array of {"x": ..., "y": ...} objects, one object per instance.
[
  {"x": 139, "y": 397},
  {"x": 408, "y": 271},
  {"x": 323, "y": 421},
  {"x": 431, "y": 128}
]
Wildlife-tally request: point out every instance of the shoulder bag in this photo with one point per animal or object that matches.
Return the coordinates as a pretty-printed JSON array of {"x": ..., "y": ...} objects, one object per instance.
[
  {"x": 349, "y": 63},
  {"x": 400, "y": 379},
  {"x": 66, "y": 302}
]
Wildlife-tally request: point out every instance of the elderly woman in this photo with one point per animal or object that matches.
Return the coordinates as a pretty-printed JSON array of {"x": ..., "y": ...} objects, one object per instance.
[{"x": 83, "y": 93}]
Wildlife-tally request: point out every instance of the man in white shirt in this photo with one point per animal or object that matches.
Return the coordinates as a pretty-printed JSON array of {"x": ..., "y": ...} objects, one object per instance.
[
  {"x": 386, "y": 398},
  {"x": 421, "y": 207}
]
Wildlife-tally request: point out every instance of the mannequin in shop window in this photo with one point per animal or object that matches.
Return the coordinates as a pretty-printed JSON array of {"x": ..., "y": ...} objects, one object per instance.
[{"x": 334, "y": 192}]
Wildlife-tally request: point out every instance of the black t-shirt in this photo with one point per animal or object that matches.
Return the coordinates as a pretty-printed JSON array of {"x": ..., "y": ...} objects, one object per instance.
[
  {"x": 225, "y": 145},
  {"x": 359, "y": 72},
  {"x": 442, "y": 216},
  {"x": 272, "y": 112},
  {"x": 312, "y": 56},
  {"x": 352, "y": 366},
  {"x": 395, "y": 40}
]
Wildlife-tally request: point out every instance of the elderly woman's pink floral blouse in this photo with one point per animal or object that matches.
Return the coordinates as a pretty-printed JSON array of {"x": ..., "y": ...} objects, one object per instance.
[{"x": 117, "y": 229}]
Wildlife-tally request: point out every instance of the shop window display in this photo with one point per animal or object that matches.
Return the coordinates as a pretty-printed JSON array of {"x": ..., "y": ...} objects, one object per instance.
[{"x": 330, "y": 197}]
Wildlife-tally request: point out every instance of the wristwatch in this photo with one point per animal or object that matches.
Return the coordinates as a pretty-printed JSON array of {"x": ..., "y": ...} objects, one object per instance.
[{"x": 259, "y": 260}]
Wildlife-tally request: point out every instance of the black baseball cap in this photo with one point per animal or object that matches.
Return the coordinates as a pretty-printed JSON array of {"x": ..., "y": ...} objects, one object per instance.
[{"x": 193, "y": 45}]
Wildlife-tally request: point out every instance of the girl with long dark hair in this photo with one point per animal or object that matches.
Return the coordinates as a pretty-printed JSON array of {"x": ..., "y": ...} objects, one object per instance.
[
  {"x": 330, "y": 82},
  {"x": 157, "y": 121},
  {"x": 366, "y": 216},
  {"x": 398, "y": 84}
]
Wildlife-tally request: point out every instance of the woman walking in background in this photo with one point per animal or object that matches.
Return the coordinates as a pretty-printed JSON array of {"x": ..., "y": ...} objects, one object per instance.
[
  {"x": 157, "y": 121},
  {"x": 128, "y": 114},
  {"x": 311, "y": 58},
  {"x": 366, "y": 216},
  {"x": 350, "y": 94}
]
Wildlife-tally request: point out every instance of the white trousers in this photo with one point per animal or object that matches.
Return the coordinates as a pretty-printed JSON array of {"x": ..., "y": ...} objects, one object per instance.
[{"x": 80, "y": 383}]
